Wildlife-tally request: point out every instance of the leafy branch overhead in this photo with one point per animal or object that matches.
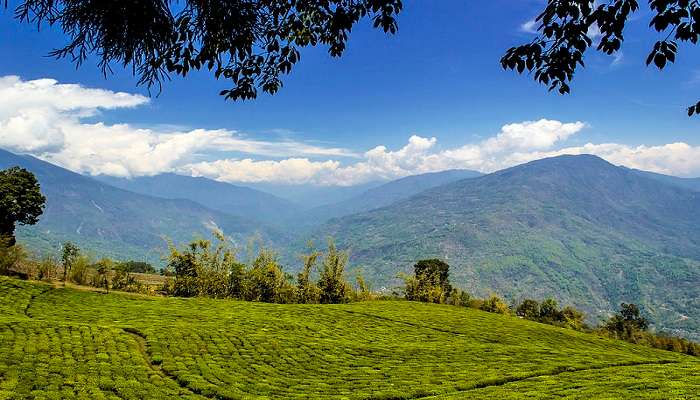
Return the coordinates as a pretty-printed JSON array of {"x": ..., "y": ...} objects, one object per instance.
[
  {"x": 566, "y": 29},
  {"x": 251, "y": 43}
]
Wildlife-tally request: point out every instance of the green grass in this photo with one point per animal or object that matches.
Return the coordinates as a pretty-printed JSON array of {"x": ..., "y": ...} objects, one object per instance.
[{"x": 64, "y": 343}]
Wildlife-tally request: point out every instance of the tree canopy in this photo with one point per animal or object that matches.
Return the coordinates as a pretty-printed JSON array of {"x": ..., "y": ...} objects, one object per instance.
[
  {"x": 567, "y": 29},
  {"x": 251, "y": 43},
  {"x": 21, "y": 201}
]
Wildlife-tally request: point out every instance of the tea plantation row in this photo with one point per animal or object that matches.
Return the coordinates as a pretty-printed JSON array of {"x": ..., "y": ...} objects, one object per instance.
[{"x": 63, "y": 343}]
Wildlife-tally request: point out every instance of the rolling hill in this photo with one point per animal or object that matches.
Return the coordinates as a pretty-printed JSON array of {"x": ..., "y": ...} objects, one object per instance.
[
  {"x": 231, "y": 199},
  {"x": 62, "y": 343},
  {"x": 114, "y": 222},
  {"x": 572, "y": 227}
]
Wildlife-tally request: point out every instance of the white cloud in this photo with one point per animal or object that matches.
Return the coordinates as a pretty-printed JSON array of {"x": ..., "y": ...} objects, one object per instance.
[
  {"x": 417, "y": 156},
  {"x": 529, "y": 26},
  {"x": 47, "y": 119}
]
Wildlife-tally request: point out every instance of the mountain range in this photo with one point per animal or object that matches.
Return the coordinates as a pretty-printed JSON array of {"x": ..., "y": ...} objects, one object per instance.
[
  {"x": 575, "y": 228},
  {"x": 109, "y": 221},
  {"x": 231, "y": 199}
]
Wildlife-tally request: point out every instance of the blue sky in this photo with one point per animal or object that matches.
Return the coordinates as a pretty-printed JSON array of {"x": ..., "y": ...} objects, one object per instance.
[{"x": 438, "y": 80}]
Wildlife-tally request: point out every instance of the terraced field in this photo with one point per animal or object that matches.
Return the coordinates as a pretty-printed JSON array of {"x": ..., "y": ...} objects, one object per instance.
[{"x": 63, "y": 343}]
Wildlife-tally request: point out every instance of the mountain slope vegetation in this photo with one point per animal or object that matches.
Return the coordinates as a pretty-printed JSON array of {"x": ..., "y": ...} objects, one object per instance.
[
  {"x": 230, "y": 199},
  {"x": 114, "y": 222},
  {"x": 575, "y": 228},
  {"x": 388, "y": 193},
  {"x": 65, "y": 343}
]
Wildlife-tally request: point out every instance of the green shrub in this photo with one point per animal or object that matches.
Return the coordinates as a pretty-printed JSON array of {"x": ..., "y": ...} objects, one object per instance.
[
  {"x": 528, "y": 309},
  {"x": 47, "y": 268},
  {"x": 495, "y": 304},
  {"x": 332, "y": 283},
  {"x": 80, "y": 270}
]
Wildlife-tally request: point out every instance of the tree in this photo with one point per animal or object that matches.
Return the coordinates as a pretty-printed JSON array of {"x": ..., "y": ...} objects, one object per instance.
[
  {"x": 430, "y": 283},
  {"x": 332, "y": 283},
  {"x": 628, "y": 324},
  {"x": 549, "y": 311},
  {"x": 566, "y": 29},
  {"x": 572, "y": 318},
  {"x": 268, "y": 283},
  {"x": 21, "y": 201},
  {"x": 251, "y": 43},
  {"x": 69, "y": 255},
  {"x": 308, "y": 291},
  {"x": 529, "y": 309}
]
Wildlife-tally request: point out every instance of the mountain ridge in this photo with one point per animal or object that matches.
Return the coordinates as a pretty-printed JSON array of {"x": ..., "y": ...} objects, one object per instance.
[
  {"x": 572, "y": 227},
  {"x": 225, "y": 197},
  {"x": 114, "y": 221}
]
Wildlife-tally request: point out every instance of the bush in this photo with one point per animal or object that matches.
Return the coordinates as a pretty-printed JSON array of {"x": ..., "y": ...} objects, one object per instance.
[
  {"x": 80, "y": 270},
  {"x": 138, "y": 267},
  {"x": 124, "y": 281},
  {"x": 11, "y": 257},
  {"x": 47, "y": 268},
  {"x": 528, "y": 309},
  {"x": 494, "y": 304}
]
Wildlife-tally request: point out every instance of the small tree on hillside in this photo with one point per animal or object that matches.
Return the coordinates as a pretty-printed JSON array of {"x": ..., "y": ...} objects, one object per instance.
[
  {"x": 267, "y": 281},
  {"x": 529, "y": 309},
  {"x": 549, "y": 311},
  {"x": 69, "y": 255},
  {"x": 430, "y": 282},
  {"x": 628, "y": 324},
  {"x": 332, "y": 283},
  {"x": 307, "y": 290}
]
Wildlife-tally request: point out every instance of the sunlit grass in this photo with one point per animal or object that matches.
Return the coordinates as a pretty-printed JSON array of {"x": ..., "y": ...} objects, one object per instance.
[{"x": 90, "y": 345}]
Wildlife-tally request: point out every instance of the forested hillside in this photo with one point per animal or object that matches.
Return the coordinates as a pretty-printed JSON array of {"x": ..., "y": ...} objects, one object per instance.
[
  {"x": 573, "y": 227},
  {"x": 230, "y": 199},
  {"x": 109, "y": 221}
]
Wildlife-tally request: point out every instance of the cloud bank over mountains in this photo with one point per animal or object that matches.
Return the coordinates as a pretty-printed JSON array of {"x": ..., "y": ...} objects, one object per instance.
[{"x": 60, "y": 123}]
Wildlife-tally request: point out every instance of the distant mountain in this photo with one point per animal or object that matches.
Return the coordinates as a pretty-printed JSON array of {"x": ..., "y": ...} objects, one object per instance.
[
  {"x": 308, "y": 196},
  {"x": 111, "y": 221},
  {"x": 573, "y": 227},
  {"x": 688, "y": 183},
  {"x": 225, "y": 197},
  {"x": 388, "y": 193}
]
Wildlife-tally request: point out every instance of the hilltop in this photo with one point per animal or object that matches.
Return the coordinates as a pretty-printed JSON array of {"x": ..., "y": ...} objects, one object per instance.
[{"x": 64, "y": 343}]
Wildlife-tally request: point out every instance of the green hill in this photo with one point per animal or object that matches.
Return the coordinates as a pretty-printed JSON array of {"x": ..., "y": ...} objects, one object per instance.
[
  {"x": 62, "y": 343},
  {"x": 575, "y": 228},
  {"x": 115, "y": 222}
]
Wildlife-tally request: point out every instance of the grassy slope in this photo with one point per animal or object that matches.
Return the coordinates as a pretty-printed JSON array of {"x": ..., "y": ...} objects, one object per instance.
[{"x": 63, "y": 343}]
